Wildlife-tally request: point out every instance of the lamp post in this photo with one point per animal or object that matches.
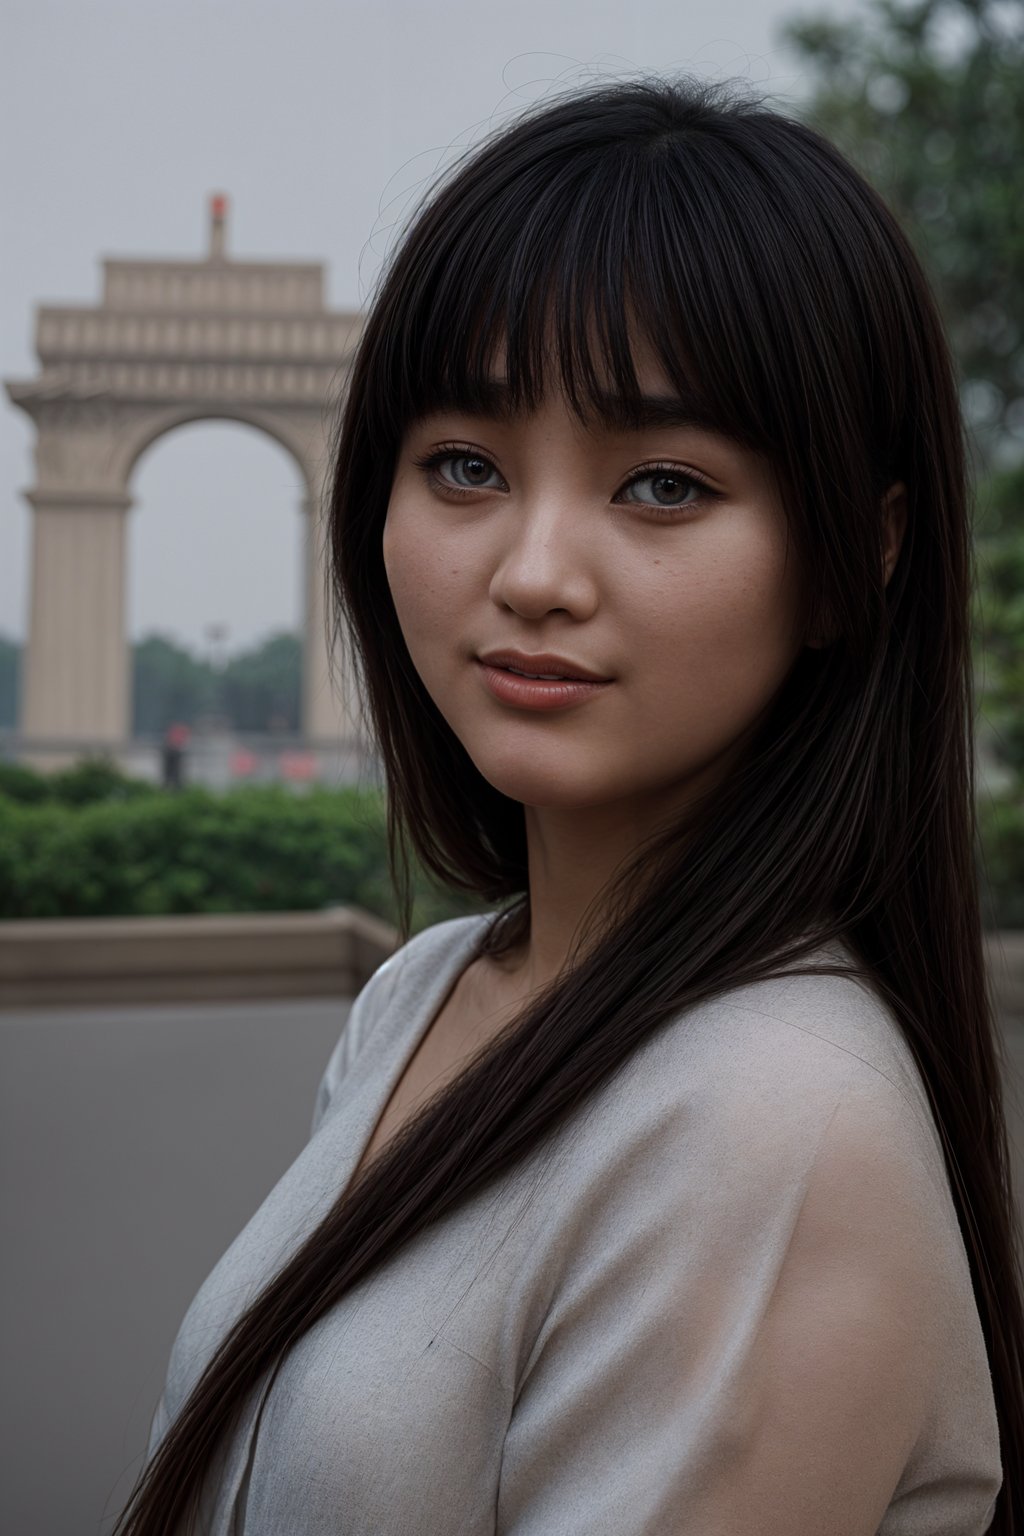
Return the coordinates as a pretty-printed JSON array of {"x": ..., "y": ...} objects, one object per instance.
[{"x": 216, "y": 635}]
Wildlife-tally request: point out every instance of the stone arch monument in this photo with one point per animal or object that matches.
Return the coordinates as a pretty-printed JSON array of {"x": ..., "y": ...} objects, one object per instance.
[{"x": 171, "y": 342}]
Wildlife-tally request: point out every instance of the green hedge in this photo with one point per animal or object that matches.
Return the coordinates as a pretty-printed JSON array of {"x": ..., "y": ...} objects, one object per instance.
[{"x": 90, "y": 842}]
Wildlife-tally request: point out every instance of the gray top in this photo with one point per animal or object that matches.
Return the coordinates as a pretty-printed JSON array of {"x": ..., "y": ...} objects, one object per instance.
[{"x": 577, "y": 1348}]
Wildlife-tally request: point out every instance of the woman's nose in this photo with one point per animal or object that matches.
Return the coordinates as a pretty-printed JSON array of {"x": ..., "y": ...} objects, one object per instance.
[{"x": 542, "y": 565}]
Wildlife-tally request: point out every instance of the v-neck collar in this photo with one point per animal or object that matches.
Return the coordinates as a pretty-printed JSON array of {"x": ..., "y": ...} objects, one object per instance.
[{"x": 384, "y": 1067}]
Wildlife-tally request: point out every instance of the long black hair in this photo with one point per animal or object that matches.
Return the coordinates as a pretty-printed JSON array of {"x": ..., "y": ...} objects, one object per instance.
[{"x": 785, "y": 304}]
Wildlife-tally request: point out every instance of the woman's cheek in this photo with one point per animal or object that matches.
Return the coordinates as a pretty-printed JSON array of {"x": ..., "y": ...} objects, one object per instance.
[
  {"x": 428, "y": 608},
  {"x": 407, "y": 558}
]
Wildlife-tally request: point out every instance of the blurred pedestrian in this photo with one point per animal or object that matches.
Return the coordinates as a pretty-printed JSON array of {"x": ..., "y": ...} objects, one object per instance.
[{"x": 176, "y": 739}]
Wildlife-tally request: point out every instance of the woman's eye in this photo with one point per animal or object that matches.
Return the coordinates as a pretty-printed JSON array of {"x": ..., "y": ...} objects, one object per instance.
[
  {"x": 669, "y": 488},
  {"x": 468, "y": 471}
]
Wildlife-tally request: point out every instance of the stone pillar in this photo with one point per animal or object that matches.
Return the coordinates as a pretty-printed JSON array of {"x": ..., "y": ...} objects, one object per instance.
[{"x": 76, "y": 679}]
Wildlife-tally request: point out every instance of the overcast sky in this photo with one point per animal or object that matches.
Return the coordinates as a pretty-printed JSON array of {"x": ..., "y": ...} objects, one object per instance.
[{"x": 320, "y": 119}]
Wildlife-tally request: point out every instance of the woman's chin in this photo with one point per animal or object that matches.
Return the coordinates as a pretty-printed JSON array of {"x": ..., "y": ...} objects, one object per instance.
[{"x": 563, "y": 784}]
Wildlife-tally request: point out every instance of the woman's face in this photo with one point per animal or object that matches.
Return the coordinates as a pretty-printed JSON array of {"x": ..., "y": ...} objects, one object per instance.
[{"x": 601, "y": 547}]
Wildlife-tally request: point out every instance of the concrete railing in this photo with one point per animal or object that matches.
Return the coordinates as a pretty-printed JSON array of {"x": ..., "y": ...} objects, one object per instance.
[
  {"x": 68, "y": 962},
  {"x": 203, "y": 957}
]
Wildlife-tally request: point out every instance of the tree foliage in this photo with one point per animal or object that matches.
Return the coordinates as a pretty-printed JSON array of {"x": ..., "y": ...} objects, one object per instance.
[
  {"x": 168, "y": 684},
  {"x": 10, "y": 663},
  {"x": 999, "y": 615},
  {"x": 258, "y": 690},
  {"x": 261, "y": 689},
  {"x": 926, "y": 97}
]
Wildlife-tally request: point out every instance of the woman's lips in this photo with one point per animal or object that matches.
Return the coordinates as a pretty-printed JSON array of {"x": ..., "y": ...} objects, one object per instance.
[{"x": 535, "y": 693}]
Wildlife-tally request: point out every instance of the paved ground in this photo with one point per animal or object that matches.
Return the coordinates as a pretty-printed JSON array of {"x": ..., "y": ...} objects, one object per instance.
[{"x": 135, "y": 1144}]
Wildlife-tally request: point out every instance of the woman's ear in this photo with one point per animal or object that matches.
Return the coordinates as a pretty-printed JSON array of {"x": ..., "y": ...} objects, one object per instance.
[{"x": 894, "y": 510}]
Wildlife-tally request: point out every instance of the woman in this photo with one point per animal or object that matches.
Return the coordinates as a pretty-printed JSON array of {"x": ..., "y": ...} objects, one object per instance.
[{"x": 671, "y": 1195}]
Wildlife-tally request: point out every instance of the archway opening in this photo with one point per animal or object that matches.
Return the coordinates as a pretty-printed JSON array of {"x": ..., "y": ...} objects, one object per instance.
[{"x": 216, "y": 571}]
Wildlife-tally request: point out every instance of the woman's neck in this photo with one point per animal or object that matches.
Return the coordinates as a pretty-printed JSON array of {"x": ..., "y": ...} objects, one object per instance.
[{"x": 573, "y": 856}]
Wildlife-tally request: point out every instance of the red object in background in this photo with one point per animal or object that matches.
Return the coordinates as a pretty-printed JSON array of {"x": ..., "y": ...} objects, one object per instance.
[
  {"x": 218, "y": 205},
  {"x": 177, "y": 736},
  {"x": 241, "y": 763},
  {"x": 297, "y": 765}
]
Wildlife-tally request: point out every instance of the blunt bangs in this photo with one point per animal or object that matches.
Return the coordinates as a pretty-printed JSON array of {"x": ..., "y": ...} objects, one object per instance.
[{"x": 553, "y": 275}]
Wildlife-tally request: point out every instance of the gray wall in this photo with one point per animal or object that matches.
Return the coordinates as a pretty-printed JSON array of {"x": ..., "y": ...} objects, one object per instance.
[{"x": 135, "y": 1143}]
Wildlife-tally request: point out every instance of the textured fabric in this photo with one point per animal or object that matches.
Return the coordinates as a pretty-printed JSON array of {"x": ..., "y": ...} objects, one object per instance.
[{"x": 568, "y": 1352}]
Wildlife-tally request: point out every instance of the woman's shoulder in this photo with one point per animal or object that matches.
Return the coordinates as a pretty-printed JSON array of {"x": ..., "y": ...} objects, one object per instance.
[
  {"x": 750, "y": 1079},
  {"x": 804, "y": 1035},
  {"x": 718, "y": 1126},
  {"x": 829, "y": 1023}
]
